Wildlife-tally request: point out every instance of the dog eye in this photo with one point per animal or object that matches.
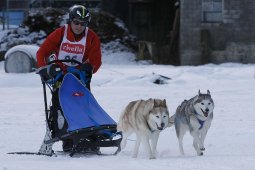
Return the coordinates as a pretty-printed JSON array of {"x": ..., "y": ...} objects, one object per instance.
[
  {"x": 209, "y": 103},
  {"x": 202, "y": 103},
  {"x": 157, "y": 116},
  {"x": 164, "y": 116}
]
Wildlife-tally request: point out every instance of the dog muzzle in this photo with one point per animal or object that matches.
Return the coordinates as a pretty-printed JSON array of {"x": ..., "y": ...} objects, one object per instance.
[
  {"x": 205, "y": 113},
  {"x": 161, "y": 127}
]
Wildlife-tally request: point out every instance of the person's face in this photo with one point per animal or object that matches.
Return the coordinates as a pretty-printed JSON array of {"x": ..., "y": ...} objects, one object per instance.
[{"x": 78, "y": 26}]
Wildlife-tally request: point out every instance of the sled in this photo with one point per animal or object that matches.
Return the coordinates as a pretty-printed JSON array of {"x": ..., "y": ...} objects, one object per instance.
[{"x": 78, "y": 119}]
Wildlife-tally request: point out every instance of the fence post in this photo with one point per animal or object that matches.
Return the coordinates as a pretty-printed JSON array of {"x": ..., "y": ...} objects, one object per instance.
[
  {"x": 7, "y": 14},
  {"x": 2, "y": 18}
]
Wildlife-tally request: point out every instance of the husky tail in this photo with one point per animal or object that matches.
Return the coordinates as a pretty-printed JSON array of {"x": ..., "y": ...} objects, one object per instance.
[
  {"x": 171, "y": 120},
  {"x": 120, "y": 123}
]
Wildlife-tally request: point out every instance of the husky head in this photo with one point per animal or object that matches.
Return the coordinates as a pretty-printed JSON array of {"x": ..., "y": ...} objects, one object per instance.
[
  {"x": 158, "y": 116},
  {"x": 203, "y": 104}
]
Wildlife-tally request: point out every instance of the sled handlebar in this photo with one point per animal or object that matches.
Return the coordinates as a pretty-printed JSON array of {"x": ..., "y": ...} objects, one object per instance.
[
  {"x": 88, "y": 68},
  {"x": 52, "y": 72},
  {"x": 69, "y": 61}
]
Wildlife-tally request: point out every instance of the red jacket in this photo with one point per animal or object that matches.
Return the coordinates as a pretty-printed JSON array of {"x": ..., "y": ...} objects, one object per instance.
[{"x": 53, "y": 41}]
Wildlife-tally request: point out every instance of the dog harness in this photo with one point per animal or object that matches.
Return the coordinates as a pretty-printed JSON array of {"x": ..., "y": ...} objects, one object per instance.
[{"x": 201, "y": 122}]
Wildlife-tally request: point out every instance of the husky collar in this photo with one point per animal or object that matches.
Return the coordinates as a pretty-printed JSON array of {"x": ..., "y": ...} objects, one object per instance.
[{"x": 150, "y": 127}]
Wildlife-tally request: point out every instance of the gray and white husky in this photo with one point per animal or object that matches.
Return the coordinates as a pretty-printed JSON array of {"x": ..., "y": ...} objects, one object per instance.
[
  {"x": 146, "y": 118},
  {"x": 194, "y": 115}
]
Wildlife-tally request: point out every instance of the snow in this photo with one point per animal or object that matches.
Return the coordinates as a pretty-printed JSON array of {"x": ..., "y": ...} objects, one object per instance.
[
  {"x": 30, "y": 50},
  {"x": 229, "y": 144}
]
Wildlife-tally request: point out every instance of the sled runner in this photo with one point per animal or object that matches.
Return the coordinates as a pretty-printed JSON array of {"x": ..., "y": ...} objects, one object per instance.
[{"x": 74, "y": 116}]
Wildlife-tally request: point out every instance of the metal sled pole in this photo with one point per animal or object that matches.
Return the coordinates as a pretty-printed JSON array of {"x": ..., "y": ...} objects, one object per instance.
[
  {"x": 45, "y": 101},
  {"x": 46, "y": 149}
]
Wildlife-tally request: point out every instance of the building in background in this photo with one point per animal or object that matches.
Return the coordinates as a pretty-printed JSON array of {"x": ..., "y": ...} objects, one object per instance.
[
  {"x": 177, "y": 32},
  {"x": 149, "y": 20},
  {"x": 155, "y": 24},
  {"x": 217, "y": 31},
  {"x": 191, "y": 32},
  {"x": 12, "y": 12}
]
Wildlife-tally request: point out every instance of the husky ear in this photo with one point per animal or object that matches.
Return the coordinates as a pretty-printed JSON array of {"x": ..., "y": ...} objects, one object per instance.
[
  {"x": 151, "y": 101},
  {"x": 164, "y": 102},
  {"x": 199, "y": 92},
  {"x": 208, "y": 92},
  {"x": 149, "y": 105}
]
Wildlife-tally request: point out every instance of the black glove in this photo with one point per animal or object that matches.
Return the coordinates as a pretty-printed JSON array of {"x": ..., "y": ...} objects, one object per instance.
[
  {"x": 47, "y": 72},
  {"x": 87, "y": 68}
]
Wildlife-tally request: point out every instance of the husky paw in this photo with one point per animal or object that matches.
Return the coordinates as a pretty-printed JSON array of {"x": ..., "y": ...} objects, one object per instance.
[
  {"x": 202, "y": 149},
  {"x": 201, "y": 154}
]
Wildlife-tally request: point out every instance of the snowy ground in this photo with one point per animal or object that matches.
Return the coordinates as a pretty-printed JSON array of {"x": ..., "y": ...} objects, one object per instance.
[{"x": 229, "y": 144}]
